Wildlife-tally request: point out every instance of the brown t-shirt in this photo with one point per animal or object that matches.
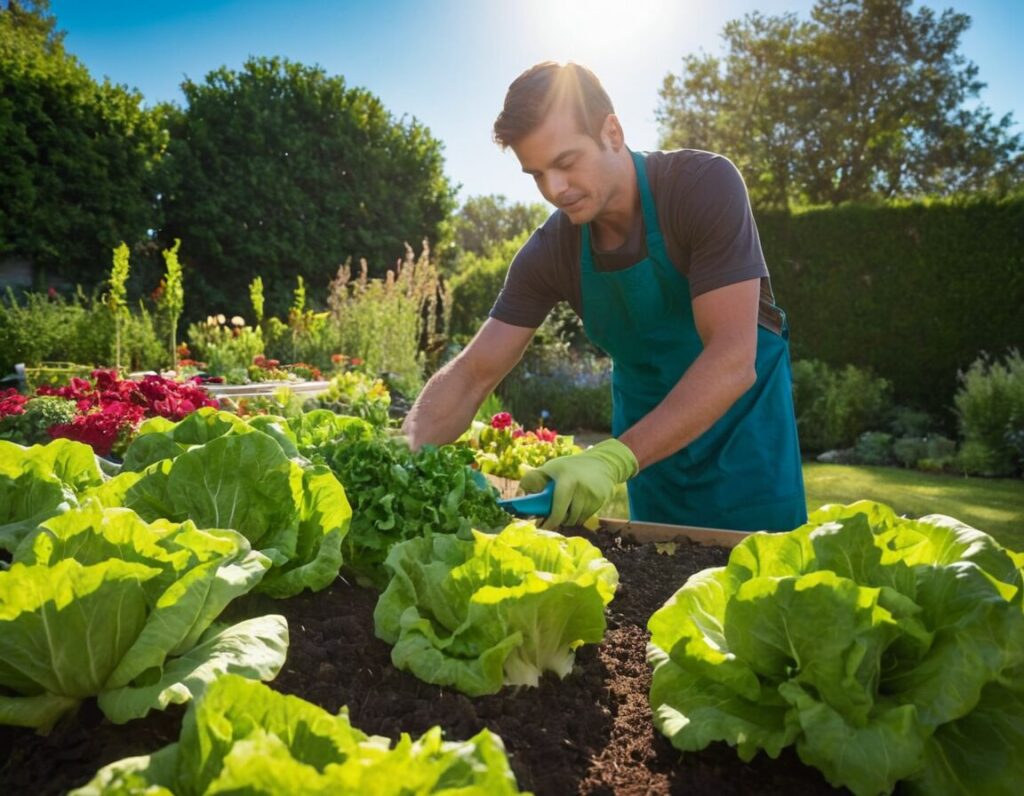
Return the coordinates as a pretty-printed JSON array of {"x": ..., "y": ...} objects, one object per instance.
[{"x": 705, "y": 218}]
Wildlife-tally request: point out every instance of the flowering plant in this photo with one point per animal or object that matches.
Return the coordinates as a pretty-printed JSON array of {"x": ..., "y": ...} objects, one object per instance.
[
  {"x": 228, "y": 345},
  {"x": 264, "y": 369},
  {"x": 505, "y": 449},
  {"x": 354, "y": 393},
  {"x": 110, "y": 409}
]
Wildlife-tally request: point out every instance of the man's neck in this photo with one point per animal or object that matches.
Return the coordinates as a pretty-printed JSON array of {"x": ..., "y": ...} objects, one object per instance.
[{"x": 612, "y": 225}]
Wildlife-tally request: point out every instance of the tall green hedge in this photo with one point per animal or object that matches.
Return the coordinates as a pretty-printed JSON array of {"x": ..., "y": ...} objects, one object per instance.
[{"x": 914, "y": 292}]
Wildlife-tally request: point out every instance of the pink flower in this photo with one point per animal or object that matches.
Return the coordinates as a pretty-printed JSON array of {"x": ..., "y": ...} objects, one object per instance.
[
  {"x": 12, "y": 402},
  {"x": 501, "y": 420}
]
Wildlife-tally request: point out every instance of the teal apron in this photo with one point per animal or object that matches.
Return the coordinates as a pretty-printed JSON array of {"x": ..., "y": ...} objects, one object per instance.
[{"x": 744, "y": 472}]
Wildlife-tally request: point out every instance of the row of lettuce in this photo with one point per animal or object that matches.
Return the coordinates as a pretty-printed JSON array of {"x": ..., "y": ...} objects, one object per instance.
[
  {"x": 885, "y": 650},
  {"x": 133, "y": 567}
]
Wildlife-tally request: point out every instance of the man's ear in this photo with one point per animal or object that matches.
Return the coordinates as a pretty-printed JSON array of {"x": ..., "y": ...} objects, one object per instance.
[{"x": 611, "y": 133}]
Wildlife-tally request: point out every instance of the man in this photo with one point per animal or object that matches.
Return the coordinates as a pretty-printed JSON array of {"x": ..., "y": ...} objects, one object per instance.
[{"x": 659, "y": 256}]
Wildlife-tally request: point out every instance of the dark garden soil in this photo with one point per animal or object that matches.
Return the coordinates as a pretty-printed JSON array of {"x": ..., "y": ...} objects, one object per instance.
[{"x": 589, "y": 734}]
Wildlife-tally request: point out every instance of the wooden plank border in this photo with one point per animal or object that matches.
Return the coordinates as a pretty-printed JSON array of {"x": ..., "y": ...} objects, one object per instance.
[{"x": 663, "y": 532}]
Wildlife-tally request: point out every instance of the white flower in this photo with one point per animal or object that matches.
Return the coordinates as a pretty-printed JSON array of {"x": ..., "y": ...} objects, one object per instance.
[{"x": 238, "y": 320}]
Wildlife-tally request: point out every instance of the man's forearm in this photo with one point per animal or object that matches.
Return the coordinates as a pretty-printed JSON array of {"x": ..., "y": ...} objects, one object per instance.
[
  {"x": 445, "y": 407},
  {"x": 706, "y": 391}
]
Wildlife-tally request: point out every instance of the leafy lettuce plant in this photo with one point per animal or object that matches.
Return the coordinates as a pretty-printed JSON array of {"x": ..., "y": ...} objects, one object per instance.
[
  {"x": 884, "y": 649},
  {"x": 400, "y": 494},
  {"x": 242, "y": 737},
  {"x": 495, "y": 610},
  {"x": 294, "y": 514},
  {"x": 39, "y": 482},
  {"x": 99, "y": 603}
]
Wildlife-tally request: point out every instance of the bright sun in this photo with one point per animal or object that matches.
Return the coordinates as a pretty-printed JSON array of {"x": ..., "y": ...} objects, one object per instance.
[{"x": 596, "y": 32}]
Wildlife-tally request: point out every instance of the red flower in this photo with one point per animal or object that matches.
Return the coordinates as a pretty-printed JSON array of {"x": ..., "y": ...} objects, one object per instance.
[
  {"x": 356, "y": 362},
  {"x": 12, "y": 402},
  {"x": 501, "y": 420}
]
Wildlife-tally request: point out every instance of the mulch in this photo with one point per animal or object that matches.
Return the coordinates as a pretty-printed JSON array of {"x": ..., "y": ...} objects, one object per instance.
[{"x": 588, "y": 734}]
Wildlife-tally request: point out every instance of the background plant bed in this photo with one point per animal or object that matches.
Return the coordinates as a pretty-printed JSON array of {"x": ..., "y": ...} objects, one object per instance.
[{"x": 590, "y": 733}]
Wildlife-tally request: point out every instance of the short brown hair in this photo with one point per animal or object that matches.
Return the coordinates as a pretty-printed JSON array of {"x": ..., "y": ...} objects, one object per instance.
[{"x": 532, "y": 95}]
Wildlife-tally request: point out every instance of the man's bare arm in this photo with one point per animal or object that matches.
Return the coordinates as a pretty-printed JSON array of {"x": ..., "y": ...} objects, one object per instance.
[
  {"x": 726, "y": 321},
  {"x": 446, "y": 406}
]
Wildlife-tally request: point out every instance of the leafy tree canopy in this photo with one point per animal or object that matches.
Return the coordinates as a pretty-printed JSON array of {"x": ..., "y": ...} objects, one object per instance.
[
  {"x": 281, "y": 170},
  {"x": 867, "y": 99},
  {"x": 484, "y": 222},
  {"x": 78, "y": 156}
]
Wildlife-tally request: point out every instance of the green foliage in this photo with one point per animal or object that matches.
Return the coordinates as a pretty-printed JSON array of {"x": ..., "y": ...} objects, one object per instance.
[
  {"x": 883, "y": 649},
  {"x": 30, "y": 427},
  {"x": 79, "y": 157},
  {"x": 224, "y": 346},
  {"x": 485, "y": 222},
  {"x": 354, "y": 393},
  {"x": 509, "y": 451},
  {"x": 116, "y": 296},
  {"x": 865, "y": 99},
  {"x": 934, "y": 452},
  {"x": 244, "y": 737},
  {"x": 835, "y": 406},
  {"x": 138, "y": 603},
  {"x": 304, "y": 337},
  {"x": 256, "y": 297},
  {"x": 874, "y": 447},
  {"x": 911, "y": 291},
  {"x": 560, "y": 387},
  {"x": 494, "y": 609},
  {"x": 990, "y": 410},
  {"x": 398, "y": 494},
  {"x": 40, "y": 328},
  {"x": 394, "y": 324},
  {"x": 477, "y": 284},
  {"x": 172, "y": 297},
  {"x": 282, "y": 170}
]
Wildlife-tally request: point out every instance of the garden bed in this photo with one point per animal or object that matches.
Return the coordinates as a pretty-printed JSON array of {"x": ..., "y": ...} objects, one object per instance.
[{"x": 590, "y": 734}]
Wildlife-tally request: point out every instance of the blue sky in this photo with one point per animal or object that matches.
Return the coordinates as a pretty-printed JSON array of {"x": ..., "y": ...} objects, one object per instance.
[{"x": 449, "y": 62}]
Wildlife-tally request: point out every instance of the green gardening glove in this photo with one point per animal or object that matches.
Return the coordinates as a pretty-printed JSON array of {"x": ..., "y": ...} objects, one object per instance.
[{"x": 583, "y": 481}]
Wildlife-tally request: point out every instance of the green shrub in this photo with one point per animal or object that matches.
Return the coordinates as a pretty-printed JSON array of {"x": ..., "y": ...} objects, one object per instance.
[
  {"x": 990, "y": 411},
  {"x": 224, "y": 346},
  {"x": 30, "y": 427},
  {"x": 907, "y": 422},
  {"x": 834, "y": 407},
  {"x": 396, "y": 325},
  {"x": 874, "y": 448},
  {"x": 885, "y": 286},
  {"x": 305, "y": 337},
  {"x": 476, "y": 286},
  {"x": 40, "y": 328},
  {"x": 560, "y": 388}
]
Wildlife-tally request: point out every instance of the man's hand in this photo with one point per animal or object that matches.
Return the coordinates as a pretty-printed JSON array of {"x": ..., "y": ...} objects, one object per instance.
[{"x": 583, "y": 481}]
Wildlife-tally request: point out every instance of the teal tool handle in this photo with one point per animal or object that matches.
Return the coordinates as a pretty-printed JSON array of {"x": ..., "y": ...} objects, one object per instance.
[{"x": 535, "y": 505}]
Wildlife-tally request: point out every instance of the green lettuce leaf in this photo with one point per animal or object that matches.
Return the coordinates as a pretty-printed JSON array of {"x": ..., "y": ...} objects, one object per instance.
[
  {"x": 242, "y": 737},
  {"x": 869, "y": 642},
  {"x": 499, "y": 609}
]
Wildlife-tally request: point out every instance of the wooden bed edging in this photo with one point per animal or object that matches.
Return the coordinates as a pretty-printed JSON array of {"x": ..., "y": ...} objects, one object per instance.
[{"x": 663, "y": 532}]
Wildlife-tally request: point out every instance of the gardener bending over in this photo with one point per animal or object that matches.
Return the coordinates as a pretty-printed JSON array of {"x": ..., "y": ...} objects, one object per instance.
[{"x": 659, "y": 255}]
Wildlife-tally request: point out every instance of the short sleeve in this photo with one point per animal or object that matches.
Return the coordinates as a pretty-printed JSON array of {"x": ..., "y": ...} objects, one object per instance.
[
  {"x": 528, "y": 294},
  {"x": 719, "y": 223}
]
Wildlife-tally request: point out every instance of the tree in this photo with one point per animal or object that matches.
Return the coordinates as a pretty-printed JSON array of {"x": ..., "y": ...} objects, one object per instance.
[
  {"x": 483, "y": 222},
  {"x": 865, "y": 100},
  {"x": 280, "y": 170},
  {"x": 79, "y": 157}
]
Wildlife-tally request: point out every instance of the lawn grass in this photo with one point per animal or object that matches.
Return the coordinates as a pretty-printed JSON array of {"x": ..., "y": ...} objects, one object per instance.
[{"x": 993, "y": 505}]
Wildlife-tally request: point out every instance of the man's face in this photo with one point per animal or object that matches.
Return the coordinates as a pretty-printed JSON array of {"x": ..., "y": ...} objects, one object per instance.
[{"x": 570, "y": 169}]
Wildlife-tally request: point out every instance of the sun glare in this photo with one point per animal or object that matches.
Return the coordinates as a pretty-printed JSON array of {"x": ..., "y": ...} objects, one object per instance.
[{"x": 598, "y": 32}]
